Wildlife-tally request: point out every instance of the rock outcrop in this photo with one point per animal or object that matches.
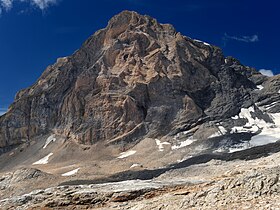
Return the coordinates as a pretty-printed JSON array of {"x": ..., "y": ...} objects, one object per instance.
[
  {"x": 136, "y": 78},
  {"x": 22, "y": 180},
  {"x": 254, "y": 189}
]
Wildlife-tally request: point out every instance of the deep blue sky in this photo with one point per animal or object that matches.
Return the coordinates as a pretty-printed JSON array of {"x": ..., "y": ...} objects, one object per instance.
[{"x": 31, "y": 38}]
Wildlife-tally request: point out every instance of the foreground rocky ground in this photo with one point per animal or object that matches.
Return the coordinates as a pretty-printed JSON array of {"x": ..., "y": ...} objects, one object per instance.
[{"x": 216, "y": 184}]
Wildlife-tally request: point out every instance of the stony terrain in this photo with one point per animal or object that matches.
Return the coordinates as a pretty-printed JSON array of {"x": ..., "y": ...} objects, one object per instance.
[
  {"x": 251, "y": 184},
  {"x": 142, "y": 117}
]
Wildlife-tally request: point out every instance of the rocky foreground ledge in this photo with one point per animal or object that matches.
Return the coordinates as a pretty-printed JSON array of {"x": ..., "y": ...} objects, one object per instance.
[{"x": 248, "y": 185}]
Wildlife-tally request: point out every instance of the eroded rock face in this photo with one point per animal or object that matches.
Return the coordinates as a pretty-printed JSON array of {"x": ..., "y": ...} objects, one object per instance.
[{"x": 134, "y": 78}]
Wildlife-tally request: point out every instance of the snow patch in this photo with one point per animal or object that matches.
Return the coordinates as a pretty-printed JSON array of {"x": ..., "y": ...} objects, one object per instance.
[
  {"x": 222, "y": 130},
  {"x": 244, "y": 129},
  {"x": 246, "y": 113},
  {"x": 235, "y": 148},
  {"x": 71, "y": 173},
  {"x": 126, "y": 154},
  {"x": 266, "y": 107},
  {"x": 183, "y": 159},
  {"x": 260, "y": 87},
  {"x": 260, "y": 140},
  {"x": 160, "y": 145},
  {"x": 185, "y": 143},
  {"x": 252, "y": 126},
  {"x": 219, "y": 150},
  {"x": 205, "y": 43},
  {"x": 44, "y": 160},
  {"x": 135, "y": 165},
  {"x": 185, "y": 132},
  {"x": 240, "y": 147},
  {"x": 49, "y": 140},
  {"x": 270, "y": 132},
  {"x": 215, "y": 135},
  {"x": 236, "y": 117}
]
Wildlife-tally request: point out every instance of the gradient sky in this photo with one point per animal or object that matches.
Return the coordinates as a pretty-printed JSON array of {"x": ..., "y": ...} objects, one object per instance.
[{"x": 34, "y": 33}]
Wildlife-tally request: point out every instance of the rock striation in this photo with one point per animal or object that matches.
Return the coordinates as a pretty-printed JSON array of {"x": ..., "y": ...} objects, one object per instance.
[{"x": 135, "y": 78}]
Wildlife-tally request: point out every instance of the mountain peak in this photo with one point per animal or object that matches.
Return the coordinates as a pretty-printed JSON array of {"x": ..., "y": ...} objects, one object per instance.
[
  {"x": 128, "y": 17},
  {"x": 136, "y": 78},
  {"x": 130, "y": 21},
  {"x": 140, "y": 101}
]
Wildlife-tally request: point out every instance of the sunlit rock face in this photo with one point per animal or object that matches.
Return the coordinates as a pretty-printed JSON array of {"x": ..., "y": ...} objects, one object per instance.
[{"x": 138, "y": 78}]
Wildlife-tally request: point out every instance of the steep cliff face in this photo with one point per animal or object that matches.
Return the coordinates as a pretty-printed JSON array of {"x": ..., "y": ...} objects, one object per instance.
[{"x": 134, "y": 78}]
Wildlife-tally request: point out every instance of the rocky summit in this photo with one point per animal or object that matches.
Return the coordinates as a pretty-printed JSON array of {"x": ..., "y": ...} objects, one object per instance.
[{"x": 139, "y": 100}]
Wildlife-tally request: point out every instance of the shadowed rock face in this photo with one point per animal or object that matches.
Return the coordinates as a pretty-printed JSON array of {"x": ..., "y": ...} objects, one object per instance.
[{"x": 134, "y": 78}]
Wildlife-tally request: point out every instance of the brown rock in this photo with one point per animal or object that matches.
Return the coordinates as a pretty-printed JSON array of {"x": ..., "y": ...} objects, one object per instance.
[{"x": 134, "y": 78}]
